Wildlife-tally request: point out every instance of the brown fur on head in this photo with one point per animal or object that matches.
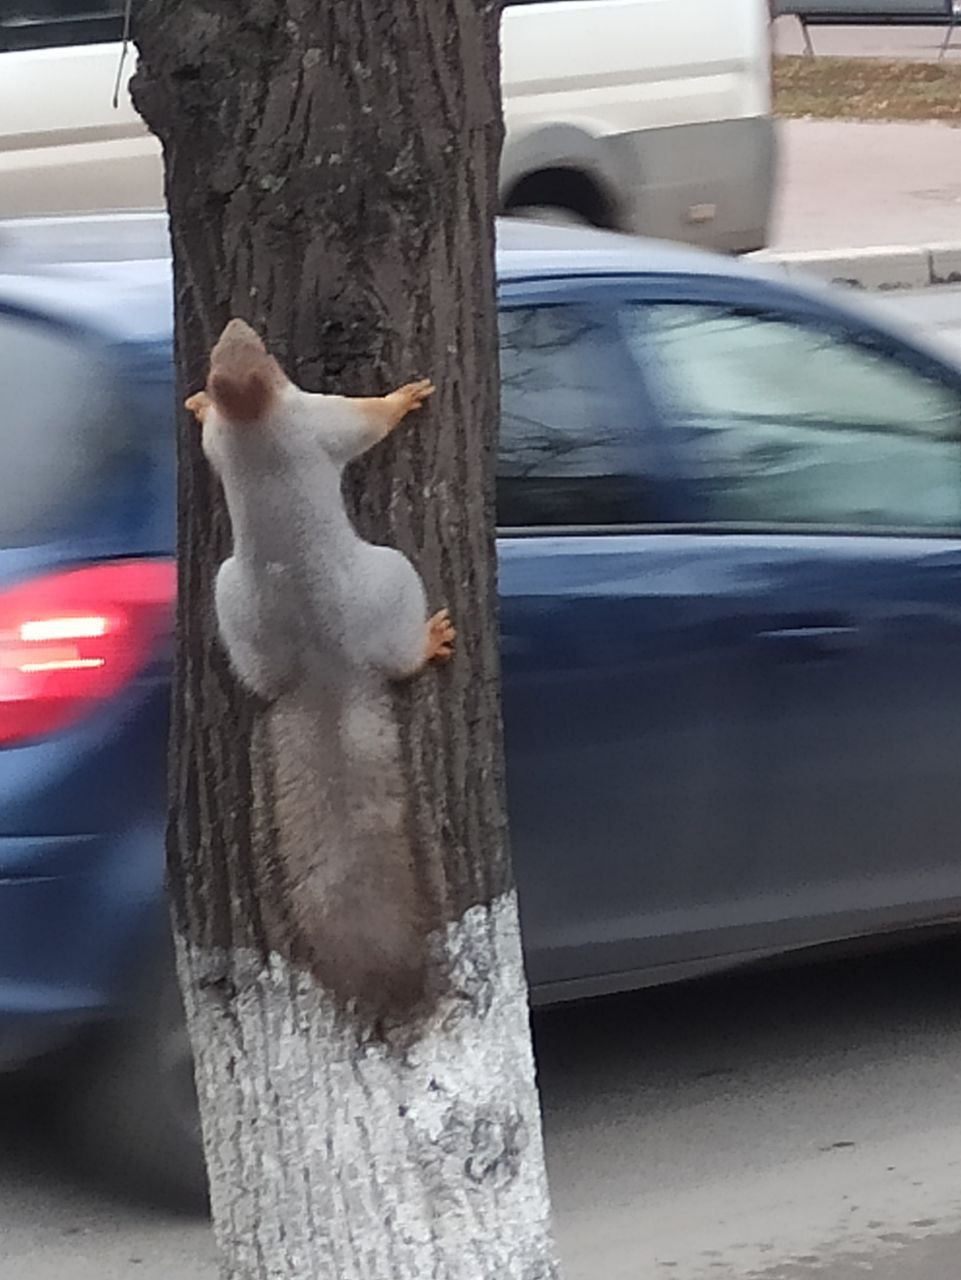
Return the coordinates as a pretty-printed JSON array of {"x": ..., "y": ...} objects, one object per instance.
[{"x": 244, "y": 378}]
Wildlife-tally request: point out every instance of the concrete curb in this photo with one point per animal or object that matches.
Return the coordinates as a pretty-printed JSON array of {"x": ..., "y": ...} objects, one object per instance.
[{"x": 885, "y": 267}]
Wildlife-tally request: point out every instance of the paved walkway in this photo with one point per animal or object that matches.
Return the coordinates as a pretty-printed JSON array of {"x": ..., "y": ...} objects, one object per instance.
[{"x": 850, "y": 185}]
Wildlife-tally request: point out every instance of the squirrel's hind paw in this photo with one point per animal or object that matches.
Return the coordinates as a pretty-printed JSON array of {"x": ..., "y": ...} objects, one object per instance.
[{"x": 440, "y": 637}]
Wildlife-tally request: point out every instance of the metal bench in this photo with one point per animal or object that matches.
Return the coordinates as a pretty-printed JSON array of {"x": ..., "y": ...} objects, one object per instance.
[{"x": 852, "y": 13}]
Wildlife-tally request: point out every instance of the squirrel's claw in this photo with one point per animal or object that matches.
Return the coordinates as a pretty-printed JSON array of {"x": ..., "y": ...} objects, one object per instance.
[
  {"x": 409, "y": 397},
  {"x": 440, "y": 637}
]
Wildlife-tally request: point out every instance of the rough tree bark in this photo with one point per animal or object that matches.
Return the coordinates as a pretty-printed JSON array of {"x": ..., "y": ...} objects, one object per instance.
[{"x": 331, "y": 175}]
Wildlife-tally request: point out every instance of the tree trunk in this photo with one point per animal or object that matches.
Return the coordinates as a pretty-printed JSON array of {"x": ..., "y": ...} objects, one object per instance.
[{"x": 331, "y": 176}]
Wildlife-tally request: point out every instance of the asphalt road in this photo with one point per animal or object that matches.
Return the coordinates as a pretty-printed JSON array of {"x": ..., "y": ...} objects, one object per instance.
[
  {"x": 782, "y": 1127},
  {"x": 797, "y": 1125}
]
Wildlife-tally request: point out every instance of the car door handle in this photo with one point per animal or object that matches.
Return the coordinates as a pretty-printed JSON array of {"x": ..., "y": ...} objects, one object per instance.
[{"x": 809, "y": 641}]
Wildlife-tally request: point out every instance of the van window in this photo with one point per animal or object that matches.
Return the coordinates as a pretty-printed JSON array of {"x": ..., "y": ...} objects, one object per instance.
[
  {"x": 42, "y": 24},
  {"x": 569, "y": 449}
]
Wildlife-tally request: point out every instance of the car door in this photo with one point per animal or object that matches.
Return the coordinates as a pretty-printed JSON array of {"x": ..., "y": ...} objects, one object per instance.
[
  {"x": 821, "y": 461},
  {"x": 628, "y": 712}
]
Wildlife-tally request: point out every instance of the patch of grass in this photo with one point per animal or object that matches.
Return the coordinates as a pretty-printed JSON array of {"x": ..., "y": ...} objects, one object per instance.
[{"x": 867, "y": 89}]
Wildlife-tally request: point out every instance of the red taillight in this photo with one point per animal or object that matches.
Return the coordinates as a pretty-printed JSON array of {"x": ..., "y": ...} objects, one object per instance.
[{"x": 71, "y": 639}]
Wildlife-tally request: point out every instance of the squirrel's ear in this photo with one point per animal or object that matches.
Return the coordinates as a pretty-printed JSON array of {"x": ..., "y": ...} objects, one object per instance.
[{"x": 244, "y": 378}]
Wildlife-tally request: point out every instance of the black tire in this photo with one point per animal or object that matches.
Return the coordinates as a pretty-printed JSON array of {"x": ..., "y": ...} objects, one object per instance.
[{"x": 136, "y": 1117}]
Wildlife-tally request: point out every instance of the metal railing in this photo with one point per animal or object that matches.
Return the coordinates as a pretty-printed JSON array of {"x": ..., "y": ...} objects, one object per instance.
[{"x": 811, "y": 13}]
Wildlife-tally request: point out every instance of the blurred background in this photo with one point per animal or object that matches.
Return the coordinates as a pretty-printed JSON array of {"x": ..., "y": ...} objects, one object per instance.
[{"x": 729, "y": 508}]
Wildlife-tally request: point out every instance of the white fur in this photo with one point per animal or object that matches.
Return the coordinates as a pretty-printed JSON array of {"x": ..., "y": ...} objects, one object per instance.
[{"x": 304, "y": 599}]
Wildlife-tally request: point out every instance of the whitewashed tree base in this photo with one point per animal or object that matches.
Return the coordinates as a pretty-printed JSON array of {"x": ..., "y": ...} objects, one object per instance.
[{"x": 325, "y": 1140}]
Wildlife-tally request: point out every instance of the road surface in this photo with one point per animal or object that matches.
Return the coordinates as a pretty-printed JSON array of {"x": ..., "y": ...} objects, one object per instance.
[
  {"x": 800, "y": 1125},
  {"x": 779, "y": 1127}
]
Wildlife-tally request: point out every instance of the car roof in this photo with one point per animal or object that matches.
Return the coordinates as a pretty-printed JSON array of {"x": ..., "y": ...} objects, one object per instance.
[
  {"x": 521, "y": 245},
  {"x": 106, "y": 272},
  {"x": 531, "y": 248},
  {"x": 111, "y": 271}
]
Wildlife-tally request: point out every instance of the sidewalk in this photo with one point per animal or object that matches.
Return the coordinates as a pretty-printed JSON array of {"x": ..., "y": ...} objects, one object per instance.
[{"x": 847, "y": 185}]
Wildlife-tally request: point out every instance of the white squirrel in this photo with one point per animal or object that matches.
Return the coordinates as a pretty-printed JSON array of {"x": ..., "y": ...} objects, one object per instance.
[{"x": 317, "y": 623}]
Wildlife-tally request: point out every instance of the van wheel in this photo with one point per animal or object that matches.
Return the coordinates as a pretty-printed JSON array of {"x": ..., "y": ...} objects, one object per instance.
[
  {"x": 137, "y": 1118},
  {"x": 553, "y": 215}
]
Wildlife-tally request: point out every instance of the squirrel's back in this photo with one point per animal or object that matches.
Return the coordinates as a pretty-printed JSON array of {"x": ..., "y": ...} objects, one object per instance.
[{"x": 317, "y": 623}]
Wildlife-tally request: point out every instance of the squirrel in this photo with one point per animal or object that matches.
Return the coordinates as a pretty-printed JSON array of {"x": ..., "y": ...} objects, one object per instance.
[{"x": 318, "y": 623}]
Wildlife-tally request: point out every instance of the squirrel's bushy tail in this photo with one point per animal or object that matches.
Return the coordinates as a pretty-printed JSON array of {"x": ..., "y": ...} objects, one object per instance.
[{"x": 357, "y": 914}]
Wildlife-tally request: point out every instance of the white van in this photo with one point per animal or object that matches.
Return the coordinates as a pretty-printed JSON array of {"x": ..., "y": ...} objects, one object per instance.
[{"x": 642, "y": 115}]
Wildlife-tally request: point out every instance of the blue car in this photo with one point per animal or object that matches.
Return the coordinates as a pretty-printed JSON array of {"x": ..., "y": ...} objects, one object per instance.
[{"x": 730, "y": 566}]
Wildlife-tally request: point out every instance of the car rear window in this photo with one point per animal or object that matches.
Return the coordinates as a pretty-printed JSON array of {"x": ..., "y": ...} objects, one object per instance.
[{"x": 69, "y": 456}]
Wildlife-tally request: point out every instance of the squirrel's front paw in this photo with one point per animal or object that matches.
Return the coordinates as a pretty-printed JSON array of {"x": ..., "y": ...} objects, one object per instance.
[
  {"x": 198, "y": 404},
  {"x": 440, "y": 637},
  {"x": 410, "y": 397}
]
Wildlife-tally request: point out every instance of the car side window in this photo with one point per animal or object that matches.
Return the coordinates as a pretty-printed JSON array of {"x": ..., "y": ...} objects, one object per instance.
[
  {"x": 69, "y": 445},
  {"x": 43, "y": 24},
  {"x": 783, "y": 422},
  {"x": 569, "y": 451}
]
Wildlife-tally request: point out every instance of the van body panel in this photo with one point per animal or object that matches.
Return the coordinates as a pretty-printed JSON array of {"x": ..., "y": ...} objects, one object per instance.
[{"x": 661, "y": 107}]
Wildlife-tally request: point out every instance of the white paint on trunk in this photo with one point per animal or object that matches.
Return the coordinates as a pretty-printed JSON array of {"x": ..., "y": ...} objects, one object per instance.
[{"x": 333, "y": 1159}]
